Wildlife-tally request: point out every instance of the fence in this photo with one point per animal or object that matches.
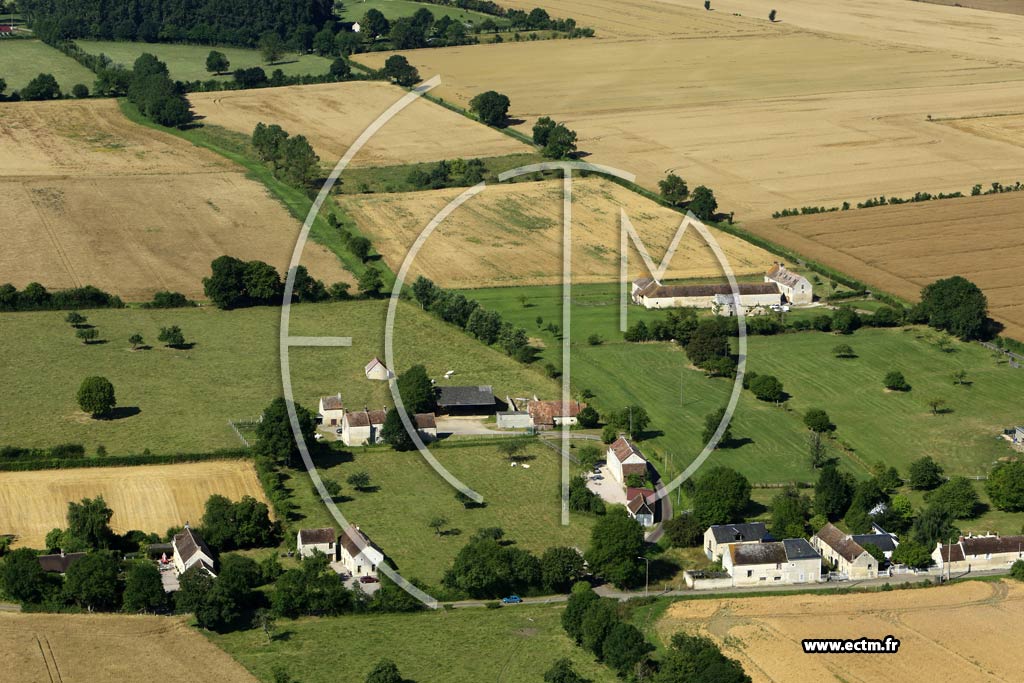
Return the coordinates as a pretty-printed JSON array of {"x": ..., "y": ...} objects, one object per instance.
[
  {"x": 1015, "y": 358},
  {"x": 245, "y": 423}
]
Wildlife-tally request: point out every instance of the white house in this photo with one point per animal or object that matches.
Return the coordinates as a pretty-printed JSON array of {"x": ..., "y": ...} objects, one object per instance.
[
  {"x": 979, "y": 552},
  {"x": 638, "y": 507},
  {"x": 362, "y": 427},
  {"x": 356, "y": 28},
  {"x": 190, "y": 550},
  {"x": 844, "y": 553},
  {"x": 774, "y": 563},
  {"x": 717, "y": 537},
  {"x": 375, "y": 369},
  {"x": 652, "y": 294},
  {"x": 796, "y": 288},
  {"x": 358, "y": 554},
  {"x": 317, "y": 540},
  {"x": 331, "y": 410},
  {"x": 625, "y": 459}
]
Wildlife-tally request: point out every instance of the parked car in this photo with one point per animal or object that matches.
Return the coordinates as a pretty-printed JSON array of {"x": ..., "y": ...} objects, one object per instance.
[
  {"x": 339, "y": 431},
  {"x": 368, "y": 579},
  {"x": 512, "y": 600}
]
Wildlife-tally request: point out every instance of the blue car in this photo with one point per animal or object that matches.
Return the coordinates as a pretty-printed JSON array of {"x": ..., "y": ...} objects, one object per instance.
[{"x": 512, "y": 600}]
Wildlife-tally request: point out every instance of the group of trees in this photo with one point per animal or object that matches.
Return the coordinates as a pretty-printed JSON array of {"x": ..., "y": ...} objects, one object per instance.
[
  {"x": 420, "y": 30},
  {"x": 445, "y": 173},
  {"x": 398, "y": 69},
  {"x": 291, "y": 157},
  {"x": 556, "y": 140},
  {"x": 234, "y": 283},
  {"x": 675, "y": 191},
  {"x": 151, "y": 89},
  {"x": 35, "y": 297}
]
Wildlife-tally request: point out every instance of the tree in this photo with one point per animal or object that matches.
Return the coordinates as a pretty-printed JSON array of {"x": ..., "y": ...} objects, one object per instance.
[
  {"x": 631, "y": 420},
  {"x": 597, "y": 625},
  {"x": 398, "y": 69},
  {"x": 360, "y": 481},
  {"x": 171, "y": 337},
  {"x": 224, "y": 286},
  {"x": 384, "y": 671},
  {"x": 767, "y": 388},
  {"x": 924, "y": 474},
  {"x": 937, "y": 405},
  {"x": 394, "y": 433},
  {"x": 624, "y": 647},
  {"x": 561, "y": 142},
  {"x": 616, "y": 542},
  {"x": 560, "y": 568},
  {"x": 375, "y": 23},
  {"x": 1017, "y": 570},
  {"x": 437, "y": 523},
  {"x": 789, "y": 514},
  {"x": 91, "y": 582},
  {"x": 895, "y": 381},
  {"x": 75, "y": 319},
  {"x": 816, "y": 449},
  {"x": 696, "y": 659},
  {"x": 42, "y": 87},
  {"x": 143, "y": 589},
  {"x": 711, "y": 423},
  {"x": 580, "y": 599},
  {"x": 562, "y": 671},
  {"x": 491, "y": 108},
  {"x": 87, "y": 334},
  {"x": 703, "y": 203},
  {"x": 845, "y": 320},
  {"x": 843, "y": 351},
  {"x": 1005, "y": 486},
  {"x": 956, "y": 495},
  {"x": 371, "y": 283},
  {"x": 89, "y": 523},
  {"x": 708, "y": 342},
  {"x": 720, "y": 496},
  {"x": 271, "y": 47},
  {"x": 485, "y": 568},
  {"x": 96, "y": 396},
  {"x": 299, "y": 165},
  {"x": 339, "y": 69},
  {"x": 683, "y": 530},
  {"x": 360, "y": 247},
  {"x": 960, "y": 377},
  {"x": 542, "y": 130},
  {"x": 673, "y": 189},
  {"x": 935, "y": 523},
  {"x": 417, "y": 391},
  {"x": 957, "y": 306},
  {"x": 274, "y": 438},
  {"x": 136, "y": 341},
  {"x": 817, "y": 420},
  {"x": 23, "y": 579},
  {"x": 912, "y": 554},
  {"x": 217, "y": 62},
  {"x": 588, "y": 418},
  {"x": 832, "y": 493}
]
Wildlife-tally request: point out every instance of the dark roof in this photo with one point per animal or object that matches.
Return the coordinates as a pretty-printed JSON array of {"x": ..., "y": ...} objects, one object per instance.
[
  {"x": 317, "y": 536},
  {"x": 365, "y": 418},
  {"x": 847, "y": 548},
  {"x": 425, "y": 421},
  {"x": 799, "y": 549},
  {"x": 884, "y": 542},
  {"x": 957, "y": 552},
  {"x": 188, "y": 543},
  {"x": 465, "y": 396},
  {"x": 780, "y": 274},
  {"x": 58, "y": 562},
  {"x": 983, "y": 545},
  {"x": 348, "y": 541},
  {"x": 731, "y": 533},
  {"x": 758, "y": 553},
  {"x": 656, "y": 291},
  {"x": 637, "y": 500}
]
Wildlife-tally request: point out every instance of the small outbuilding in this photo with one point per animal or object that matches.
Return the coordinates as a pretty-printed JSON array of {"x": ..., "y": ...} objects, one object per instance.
[
  {"x": 311, "y": 541},
  {"x": 426, "y": 425},
  {"x": 638, "y": 506},
  {"x": 58, "y": 563},
  {"x": 376, "y": 370},
  {"x": 551, "y": 414}
]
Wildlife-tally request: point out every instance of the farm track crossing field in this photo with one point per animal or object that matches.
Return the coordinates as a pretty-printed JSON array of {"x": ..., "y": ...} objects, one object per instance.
[
  {"x": 900, "y": 249},
  {"x": 188, "y": 62},
  {"x": 94, "y": 199},
  {"x": 150, "y": 498},
  {"x": 23, "y": 60},
  {"x": 966, "y": 631},
  {"x": 106, "y": 647},
  {"x": 184, "y": 398},
  {"x": 512, "y": 235},
  {"x": 333, "y": 115}
]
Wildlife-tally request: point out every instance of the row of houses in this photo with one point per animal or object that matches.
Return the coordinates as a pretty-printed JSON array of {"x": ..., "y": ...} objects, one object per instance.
[
  {"x": 780, "y": 286},
  {"x": 978, "y": 553},
  {"x": 363, "y": 427}
]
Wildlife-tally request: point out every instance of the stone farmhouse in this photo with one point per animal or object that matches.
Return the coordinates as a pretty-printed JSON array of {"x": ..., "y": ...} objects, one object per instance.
[
  {"x": 638, "y": 506},
  {"x": 844, "y": 553},
  {"x": 362, "y": 427},
  {"x": 551, "y": 414},
  {"x": 624, "y": 459},
  {"x": 311, "y": 541},
  {"x": 979, "y": 552},
  {"x": 357, "y": 554},
  {"x": 717, "y": 537},
  {"x": 790, "y": 561},
  {"x": 190, "y": 550},
  {"x": 330, "y": 410},
  {"x": 650, "y": 293},
  {"x": 796, "y": 288}
]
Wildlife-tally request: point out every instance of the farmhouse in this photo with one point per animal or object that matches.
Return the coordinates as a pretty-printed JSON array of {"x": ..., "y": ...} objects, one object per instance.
[
  {"x": 357, "y": 554},
  {"x": 638, "y": 507},
  {"x": 624, "y": 459},
  {"x": 375, "y": 369},
  {"x": 476, "y": 400},
  {"x": 652, "y": 294},
  {"x": 847, "y": 556},
  {"x": 796, "y": 288},
  {"x": 311, "y": 541},
  {"x": 58, "y": 563},
  {"x": 717, "y": 537},
  {"x": 362, "y": 427},
  {"x": 551, "y": 414},
  {"x": 331, "y": 410},
  {"x": 190, "y": 550},
  {"x": 776, "y": 562},
  {"x": 979, "y": 552}
]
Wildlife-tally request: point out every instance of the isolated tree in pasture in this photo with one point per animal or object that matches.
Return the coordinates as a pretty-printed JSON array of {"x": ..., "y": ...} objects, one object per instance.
[
  {"x": 491, "y": 107},
  {"x": 1005, "y": 486},
  {"x": 217, "y": 62},
  {"x": 924, "y": 474},
  {"x": 135, "y": 341},
  {"x": 843, "y": 351},
  {"x": 87, "y": 334},
  {"x": 817, "y": 420},
  {"x": 96, "y": 396},
  {"x": 384, "y": 671},
  {"x": 75, "y": 319},
  {"x": 172, "y": 337},
  {"x": 398, "y": 69},
  {"x": 673, "y": 189},
  {"x": 437, "y": 523},
  {"x": 957, "y": 306},
  {"x": 895, "y": 381},
  {"x": 703, "y": 203}
]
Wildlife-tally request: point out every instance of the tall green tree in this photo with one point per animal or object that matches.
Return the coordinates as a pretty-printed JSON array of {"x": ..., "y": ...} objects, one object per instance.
[
  {"x": 274, "y": 438},
  {"x": 616, "y": 542},
  {"x": 491, "y": 107},
  {"x": 957, "y": 306},
  {"x": 703, "y": 203},
  {"x": 1005, "y": 486},
  {"x": 91, "y": 582},
  {"x": 89, "y": 522},
  {"x": 720, "y": 496},
  {"x": 832, "y": 493},
  {"x": 217, "y": 62},
  {"x": 394, "y": 433},
  {"x": 417, "y": 391},
  {"x": 398, "y": 69},
  {"x": 23, "y": 579},
  {"x": 96, "y": 396},
  {"x": 143, "y": 589},
  {"x": 673, "y": 189}
]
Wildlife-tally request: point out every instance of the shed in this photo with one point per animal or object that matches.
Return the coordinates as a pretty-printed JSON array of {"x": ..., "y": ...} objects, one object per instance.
[{"x": 467, "y": 400}]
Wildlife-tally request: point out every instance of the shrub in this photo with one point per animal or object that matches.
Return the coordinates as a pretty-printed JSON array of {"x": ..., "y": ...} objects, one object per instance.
[
  {"x": 96, "y": 396},
  {"x": 895, "y": 381}
]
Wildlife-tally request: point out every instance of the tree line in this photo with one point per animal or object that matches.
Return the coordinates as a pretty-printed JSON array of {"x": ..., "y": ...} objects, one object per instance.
[
  {"x": 882, "y": 200},
  {"x": 234, "y": 283},
  {"x": 35, "y": 297}
]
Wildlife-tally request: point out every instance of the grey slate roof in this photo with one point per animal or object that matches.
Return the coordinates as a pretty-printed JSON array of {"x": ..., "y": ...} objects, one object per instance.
[
  {"x": 799, "y": 549},
  {"x": 731, "y": 533},
  {"x": 884, "y": 542},
  {"x": 465, "y": 396},
  {"x": 758, "y": 553}
]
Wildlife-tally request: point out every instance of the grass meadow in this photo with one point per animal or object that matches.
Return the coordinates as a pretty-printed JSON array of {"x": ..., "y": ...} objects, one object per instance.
[
  {"x": 23, "y": 60},
  {"x": 395, "y": 9},
  {"x": 188, "y": 62}
]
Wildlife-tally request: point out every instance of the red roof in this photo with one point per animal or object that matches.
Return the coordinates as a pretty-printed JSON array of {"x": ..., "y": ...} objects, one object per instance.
[
  {"x": 545, "y": 412},
  {"x": 622, "y": 448}
]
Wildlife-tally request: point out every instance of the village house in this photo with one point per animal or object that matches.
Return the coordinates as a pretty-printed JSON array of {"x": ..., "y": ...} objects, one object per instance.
[
  {"x": 844, "y": 554},
  {"x": 638, "y": 507},
  {"x": 880, "y": 538},
  {"x": 190, "y": 550},
  {"x": 790, "y": 561},
  {"x": 651, "y": 294},
  {"x": 624, "y": 459},
  {"x": 376, "y": 370},
  {"x": 551, "y": 414},
  {"x": 58, "y": 563},
  {"x": 426, "y": 425},
  {"x": 474, "y": 400},
  {"x": 357, "y": 554},
  {"x": 311, "y": 541},
  {"x": 974, "y": 553},
  {"x": 796, "y": 288},
  {"x": 717, "y": 537},
  {"x": 362, "y": 427},
  {"x": 331, "y": 410}
]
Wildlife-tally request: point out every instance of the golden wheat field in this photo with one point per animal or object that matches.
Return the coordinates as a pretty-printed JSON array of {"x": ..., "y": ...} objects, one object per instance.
[
  {"x": 97, "y": 648},
  {"x": 512, "y": 235},
  {"x": 92, "y": 198},
  {"x": 835, "y": 109},
  {"x": 333, "y": 115},
  {"x": 900, "y": 249},
  {"x": 150, "y": 498},
  {"x": 962, "y": 632}
]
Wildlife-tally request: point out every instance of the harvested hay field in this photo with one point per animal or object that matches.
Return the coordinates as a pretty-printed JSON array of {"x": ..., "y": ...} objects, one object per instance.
[
  {"x": 94, "y": 199},
  {"x": 728, "y": 112},
  {"x": 512, "y": 235},
  {"x": 333, "y": 115},
  {"x": 1005, "y": 6},
  {"x": 151, "y": 498},
  {"x": 900, "y": 249},
  {"x": 963, "y": 632},
  {"x": 87, "y": 648}
]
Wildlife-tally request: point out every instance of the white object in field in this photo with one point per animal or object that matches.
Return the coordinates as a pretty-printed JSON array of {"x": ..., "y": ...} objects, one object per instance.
[
  {"x": 356, "y": 26},
  {"x": 525, "y": 466}
]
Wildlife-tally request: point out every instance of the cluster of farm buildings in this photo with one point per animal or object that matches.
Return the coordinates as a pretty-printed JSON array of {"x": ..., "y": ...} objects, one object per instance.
[{"x": 781, "y": 286}]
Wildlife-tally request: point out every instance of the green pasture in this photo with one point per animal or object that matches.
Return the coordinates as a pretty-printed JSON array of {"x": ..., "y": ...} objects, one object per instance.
[{"x": 23, "y": 60}]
